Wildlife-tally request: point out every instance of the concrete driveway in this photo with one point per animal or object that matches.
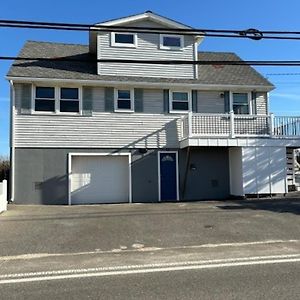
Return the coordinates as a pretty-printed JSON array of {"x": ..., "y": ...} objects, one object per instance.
[{"x": 67, "y": 229}]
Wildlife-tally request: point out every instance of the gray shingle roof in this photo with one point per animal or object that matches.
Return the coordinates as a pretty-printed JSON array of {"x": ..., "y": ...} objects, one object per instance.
[{"x": 86, "y": 70}]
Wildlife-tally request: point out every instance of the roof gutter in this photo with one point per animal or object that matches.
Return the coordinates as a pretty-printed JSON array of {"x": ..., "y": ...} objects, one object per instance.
[{"x": 144, "y": 84}]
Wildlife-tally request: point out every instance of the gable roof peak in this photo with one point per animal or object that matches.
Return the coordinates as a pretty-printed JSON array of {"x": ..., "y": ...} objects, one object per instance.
[{"x": 147, "y": 15}]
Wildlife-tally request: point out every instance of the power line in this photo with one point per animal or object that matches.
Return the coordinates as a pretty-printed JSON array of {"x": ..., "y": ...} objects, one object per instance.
[
  {"x": 218, "y": 63},
  {"x": 225, "y": 33},
  {"x": 282, "y": 74}
]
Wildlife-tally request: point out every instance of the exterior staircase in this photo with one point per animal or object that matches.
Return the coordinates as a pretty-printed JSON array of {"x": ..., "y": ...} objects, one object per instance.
[{"x": 293, "y": 170}]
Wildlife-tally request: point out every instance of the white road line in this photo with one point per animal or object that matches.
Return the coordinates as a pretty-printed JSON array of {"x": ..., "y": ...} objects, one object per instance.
[
  {"x": 149, "y": 268},
  {"x": 145, "y": 249}
]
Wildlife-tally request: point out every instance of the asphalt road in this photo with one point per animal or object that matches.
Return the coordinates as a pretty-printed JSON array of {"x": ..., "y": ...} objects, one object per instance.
[
  {"x": 205, "y": 250},
  {"x": 251, "y": 282}
]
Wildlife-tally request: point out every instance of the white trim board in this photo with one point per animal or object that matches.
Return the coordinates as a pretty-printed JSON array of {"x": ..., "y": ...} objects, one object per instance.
[
  {"x": 71, "y": 154},
  {"x": 144, "y": 16},
  {"x": 177, "y": 174}
]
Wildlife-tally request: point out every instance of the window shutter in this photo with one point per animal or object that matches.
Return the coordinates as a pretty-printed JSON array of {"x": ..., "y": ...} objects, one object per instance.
[
  {"x": 138, "y": 100},
  {"x": 26, "y": 98},
  {"x": 253, "y": 104},
  {"x": 194, "y": 101},
  {"x": 87, "y": 101},
  {"x": 109, "y": 99},
  {"x": 226, "y": 102},
  {"x": 166, "y": 101}
]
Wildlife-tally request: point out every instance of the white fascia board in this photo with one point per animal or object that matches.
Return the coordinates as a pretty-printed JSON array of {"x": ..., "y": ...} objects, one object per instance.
[
  {"x": 144, "y": 84},
  {"x": 239, "y": 142},
  {"x": 145, "y": 16}
]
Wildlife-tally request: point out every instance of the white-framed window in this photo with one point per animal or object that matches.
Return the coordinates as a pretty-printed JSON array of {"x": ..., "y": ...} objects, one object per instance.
[
  {"x": 49, "y": 99},
  {"x": 171, "y": 42},
  {"x": 179, "y": 101},
  {"x": 69, "y": 100},
  {"x": 44, "y": 99},
  {"x": 124, "y": 100},
  {"x": 240, "y": 103},
  {"x": 124, "y": 39}
]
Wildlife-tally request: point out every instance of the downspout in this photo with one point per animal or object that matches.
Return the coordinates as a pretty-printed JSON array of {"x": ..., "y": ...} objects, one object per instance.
[
  {"x": 12, "y": 141},
  {"x": 188, "y": 157}
]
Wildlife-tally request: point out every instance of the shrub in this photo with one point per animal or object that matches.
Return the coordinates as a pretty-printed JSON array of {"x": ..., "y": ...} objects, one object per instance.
[{"x": 4, "y": 168}]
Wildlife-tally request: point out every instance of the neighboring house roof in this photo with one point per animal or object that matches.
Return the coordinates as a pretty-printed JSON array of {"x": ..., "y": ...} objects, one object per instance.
[
  {"x": 147, "y": 15},
  {"x": 86, "y": 70}
]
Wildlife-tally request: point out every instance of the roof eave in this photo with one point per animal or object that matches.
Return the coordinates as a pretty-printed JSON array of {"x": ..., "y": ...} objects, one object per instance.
[{"x": 145, "y": 84}]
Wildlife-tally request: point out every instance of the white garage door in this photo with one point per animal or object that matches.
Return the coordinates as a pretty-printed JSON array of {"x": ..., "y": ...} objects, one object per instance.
[{"x": 99, "y": 179}]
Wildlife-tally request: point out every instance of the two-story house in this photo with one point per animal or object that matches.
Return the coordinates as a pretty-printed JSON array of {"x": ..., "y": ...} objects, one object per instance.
[{"x": 88, "y": 131}]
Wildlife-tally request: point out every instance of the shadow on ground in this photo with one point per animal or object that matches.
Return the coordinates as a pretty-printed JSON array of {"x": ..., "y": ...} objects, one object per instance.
[{"x": 285, "y": 205}]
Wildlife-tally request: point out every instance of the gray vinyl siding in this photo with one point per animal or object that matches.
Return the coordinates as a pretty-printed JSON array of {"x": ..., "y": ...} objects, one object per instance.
[
  {"x": 18, "y": 96},
  {"x": 153, "y": 101},
  {"x": 98, "y": 99},
  {"x": 148, "y": 48},
  {"x": 210, "y": 102},
  {"x": 261, "y": 103},
  {"x": 101, "y": 130}
]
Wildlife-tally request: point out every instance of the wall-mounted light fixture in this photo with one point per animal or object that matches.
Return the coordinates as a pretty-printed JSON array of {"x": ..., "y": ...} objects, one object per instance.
[
  {"x": 221, "y": 95},
  {"x": 193, "y": 167},
  {"x": 143, "y": 150}
]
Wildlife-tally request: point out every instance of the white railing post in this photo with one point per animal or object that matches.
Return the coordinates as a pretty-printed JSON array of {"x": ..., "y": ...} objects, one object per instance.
[
  {"x": 271, "y": 124},
  {"x": 3, "y": 195},
  {"x": 232, "y": 133},
  {"x": 190, "y": 125}
]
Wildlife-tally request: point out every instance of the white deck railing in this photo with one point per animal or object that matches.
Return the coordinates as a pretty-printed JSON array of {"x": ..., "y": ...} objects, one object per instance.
[
  {"x": 3, "y": 196},
  {"x": 231, "y": 125}
]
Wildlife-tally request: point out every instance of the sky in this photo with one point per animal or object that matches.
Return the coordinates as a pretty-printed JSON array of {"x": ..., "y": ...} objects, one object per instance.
[{"x": 213, "y": 14}]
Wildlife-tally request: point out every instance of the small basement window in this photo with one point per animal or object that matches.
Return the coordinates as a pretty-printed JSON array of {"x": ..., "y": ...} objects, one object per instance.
[
  {"x": 44, "y": 99},
  {"x": 240, "y": 103},
  {"x": 124, "y": 100},
  {"x": 69, "y": 100},
  {"x": 179, "y": 101},
  {"x": 171, "y": 42},
  {"x": 124, "y": 39}
]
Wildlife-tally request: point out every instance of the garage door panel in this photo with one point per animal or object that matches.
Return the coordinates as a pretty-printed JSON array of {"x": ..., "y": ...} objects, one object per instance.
[{"x": 99, "y": 179}]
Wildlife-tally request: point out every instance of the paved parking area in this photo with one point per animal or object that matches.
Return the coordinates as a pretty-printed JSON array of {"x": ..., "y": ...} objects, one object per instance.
[{"x": 63, "y": 229}]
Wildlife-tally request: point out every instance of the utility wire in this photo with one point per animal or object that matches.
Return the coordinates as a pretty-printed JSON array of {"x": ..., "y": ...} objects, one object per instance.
[
  {"x": 283, "y": 74},
  {"x": 217, "y": 63},
  {"x": 225, "y": 33}
]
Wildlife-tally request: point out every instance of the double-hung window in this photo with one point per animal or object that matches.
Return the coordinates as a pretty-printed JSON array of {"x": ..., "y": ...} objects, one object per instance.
[
  {"x": 44, "y": 99},
  {"x": 124, "y": 100},
  {"x": 57, "y": 99},
  {"x": 179, "y": 101},
  {"x": 69, "y": 100},
  {"x": 171, "y": 42},
  {"x": 240, "y": 103},
  {"x": 124, "y": 39}
]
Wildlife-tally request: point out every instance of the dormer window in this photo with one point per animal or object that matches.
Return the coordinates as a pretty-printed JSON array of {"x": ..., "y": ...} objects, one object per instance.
[
  {"x": 171, "y": 42},
  {"x": 123, "y": 39}
]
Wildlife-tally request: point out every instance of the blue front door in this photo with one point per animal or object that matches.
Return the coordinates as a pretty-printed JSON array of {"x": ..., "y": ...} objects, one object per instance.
[{"x": 168, "y": 176}]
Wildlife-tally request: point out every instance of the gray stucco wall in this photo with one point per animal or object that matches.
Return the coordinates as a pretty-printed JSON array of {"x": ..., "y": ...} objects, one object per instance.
[
  {"x": 209, "y": 179},
  {"x": 41, "y": 174}
]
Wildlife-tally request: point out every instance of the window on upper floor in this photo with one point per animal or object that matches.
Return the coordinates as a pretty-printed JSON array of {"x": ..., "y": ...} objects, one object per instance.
[
  {"x": 57, "y": 99},
  {"x": 171, "y": 42},
  {"x": 179, "y": 101},
  {"x": 240, "y": 103},
  {"x": 124, "y": 100},
  {"x": 124, "y": 39},
  {"x": 44, "y": 99},
  {"x": 69, "y": 100}
]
